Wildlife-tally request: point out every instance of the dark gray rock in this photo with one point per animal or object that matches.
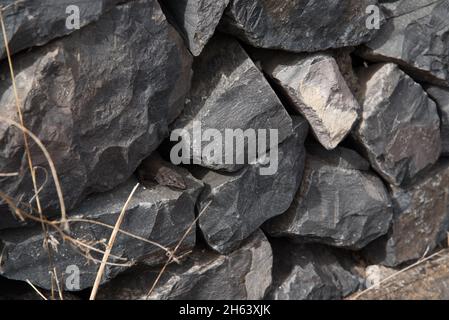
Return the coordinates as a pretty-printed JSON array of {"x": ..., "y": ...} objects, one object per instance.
[
  {"x": 241, "y": 202},
  {"x": 340, "y": 202},
  {"x": 159, "y": 214},
  {"x": 244, "y": 274},
  {"x": 229, "y": 92},
  {"x": 441, "y": 97},
  {"x": 299, "y": 25},
  {"x": 315, "y": 88},
  {"x": 100, "y": 104},
  {"x": 197, "y": 19},
  {"x": 400, "y": 126},
  {"x": 31, "y": 23},
  {"x": 311, "y": 272},
  {"x": 416, "y": 37},
  {"x": 420, "y": 220}
]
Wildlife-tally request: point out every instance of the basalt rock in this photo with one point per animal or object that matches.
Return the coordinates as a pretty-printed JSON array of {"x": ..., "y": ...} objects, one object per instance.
[
  {"x": 100, "y": 104},
  {"x": 441, "y": 96},
  {"x": 159, "y": 214},
  {"x": 204, "y": 275},
  {"x": 340, "y": 202},
  {"x": 400, "y": 127},
  {"x": 299, "y": 25},
  {"x": 237, "y": 204},
  {"x": 415, "y": 36}
]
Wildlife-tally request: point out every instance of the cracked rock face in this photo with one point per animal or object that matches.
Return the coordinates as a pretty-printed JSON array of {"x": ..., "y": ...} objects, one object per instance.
[
  {"x": 299, "y": 25},
  {"x": 420, "y": 220},
  {"x": 324, "y": 209},
  {"x": 400, "y": 126},
  {"x": 416, "y": 37},
  {"x": 245, "y": 274},
  {"x": 241, "y": 202},
  {"x": 441, "y": 97},
  {"x": 30, "y": 23},
  {"x": 100, "y": 104},
  {"x": 158, "y": 214},
  {"x": 197, "y": 19},
  {"x": 229, "y": 92},
  {"x": 311, "y": 272},
  {"x": 315, "y": 88}
]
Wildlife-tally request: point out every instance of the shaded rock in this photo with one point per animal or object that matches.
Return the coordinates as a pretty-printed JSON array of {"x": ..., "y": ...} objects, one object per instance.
[
  {"x": 159, "y": 214},
  {"x": 441, "y": 97},
  {"x": 415, "y": 36},
  {"x": 340, "y": 202},
  {"x": 228, "y": 93},
  {"x": 197, "y": 19},
  {"x": 400, "y": 126},
  {"x": 241, "y": 202},
  {"x": 100, "y": 104},
  {"x": 311, "y": 272},
  {"x": 30, "y": 23},
  {"x": 315, "y": 88},
  {"x": 299, "y": 25},
  {"x": 420, "y": 219},
  {"x": 244, "y": 274}
]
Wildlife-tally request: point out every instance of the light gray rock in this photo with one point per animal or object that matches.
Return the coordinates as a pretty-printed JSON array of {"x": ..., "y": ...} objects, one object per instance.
[
  {"x": 299, "y": 25},
  {"x": 197, "y": 19},
  {"x": 31, "y": 23},
  {"x": 311, "y": 272},
  {"x": 235, "y": 205},
  {"x": 315, "y": 88},
  {"x": 244, "y": 274},
  {"x": 400, "y": 126},
  {"x": 229, "y": 93},
  {"x": 340, "y": 202},
  {"x": 158, "y": 214},
  {"x": 441, "y": 97},
  {"x": 415, "y": 36},
  {"x": 100, "y": 104},
  {"x": 420, "y": 219}
]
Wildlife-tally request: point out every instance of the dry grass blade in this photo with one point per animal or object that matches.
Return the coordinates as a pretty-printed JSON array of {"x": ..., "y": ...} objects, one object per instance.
[
  {"x": 10, "y": 174},
  {"x": 110, "y": 245},
  {"x": 35, "y": 289}
]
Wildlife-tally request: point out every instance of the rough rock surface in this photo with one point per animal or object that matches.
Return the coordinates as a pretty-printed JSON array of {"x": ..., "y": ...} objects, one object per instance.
[
  {"x": 241, "y": 202},
  {"x": 245, "y": 274},
  {"x": 100, "y": 104},
  {"x": 416, "y": 37},
  {"x": 159, "y": 214},
  {"x": 315, "y": 87},
  {"x": 325, "y": 210},
  {"x": 400, "y": 126},
  {"x": 31, "y": 23},
  {"x": 229, "y": 92},
  {"x": 197, "y": 19},
  {"x": 441, "y": 97},
  {"x": 420, "y": 219},
  {"x": 311, "y": 272},
  {"x": 299, "y": 25}
]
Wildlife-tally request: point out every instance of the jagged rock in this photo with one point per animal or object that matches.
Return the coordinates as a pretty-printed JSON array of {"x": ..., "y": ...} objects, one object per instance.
[
  {"x": 237, "y": 204},
  {"x": 229, "y": 93},
  {"x": 400, "y": 126},
  {"x": 100, "y": 104},
  {"x": 311, "y": 272},
  {"x": 197, "y": 19},
  {"x": 244, "y": 274},
  {"x": 159, "y": 214},
  {"x": 315, "y": 88},
  {"x": 420, "y": 219},
  {"x": 31, "y": 23},
  {"x": 416, "y": 37},
  {"x": 340, "y": 202},
  {"x": 427, "y": 281},
  {"x": 441, "y": 97},
  {"x": 299, "y": 25}
]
